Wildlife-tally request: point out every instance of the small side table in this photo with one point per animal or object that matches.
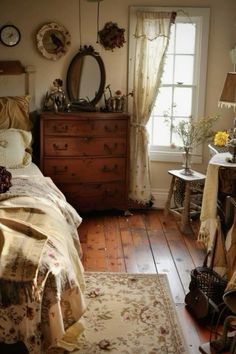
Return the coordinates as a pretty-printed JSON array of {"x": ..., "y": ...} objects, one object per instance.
[{"x": 184, "y": 212}]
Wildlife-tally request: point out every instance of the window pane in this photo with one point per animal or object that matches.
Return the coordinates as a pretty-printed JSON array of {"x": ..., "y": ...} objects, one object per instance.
[
  {"x": 162, "y": 132},
  {"x": 167, "y": 77},
  {"x": 149, "y": 129},
  {"x": 184, "y": 69},
  {"x": 185, "y": 38},
  {"x": 174, "y": 102},
  {"x": 182, "y": 101},
  {"x": 170, "y": 48},
  {"x": 163, "y": 102},
  {"x": 175, "y": 137}
]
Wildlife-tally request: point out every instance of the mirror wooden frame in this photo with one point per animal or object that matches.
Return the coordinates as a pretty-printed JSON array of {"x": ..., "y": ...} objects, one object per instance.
[{"x": 74, "y": 71}]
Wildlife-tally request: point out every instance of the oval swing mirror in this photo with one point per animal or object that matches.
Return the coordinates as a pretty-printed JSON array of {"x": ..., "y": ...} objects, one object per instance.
[{"x": 85, "y": 79}]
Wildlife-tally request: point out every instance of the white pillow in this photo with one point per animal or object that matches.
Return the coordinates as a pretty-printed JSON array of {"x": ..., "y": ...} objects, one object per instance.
[{"x": 13, "y": 145}]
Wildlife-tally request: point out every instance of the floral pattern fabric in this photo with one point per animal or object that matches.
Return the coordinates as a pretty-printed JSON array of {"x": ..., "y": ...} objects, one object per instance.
[
  {"x": 129, "y": 314},
  {"x": 43, "y": 323}
]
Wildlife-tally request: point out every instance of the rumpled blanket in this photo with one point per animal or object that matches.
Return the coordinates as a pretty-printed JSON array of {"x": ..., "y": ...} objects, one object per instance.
[
  {"x": 21, "y": 246},
  {"x": 40, "y": 249}
]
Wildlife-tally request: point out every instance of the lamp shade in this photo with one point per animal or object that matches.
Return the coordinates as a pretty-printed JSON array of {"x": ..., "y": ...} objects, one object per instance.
[{"x": 228, "y": 96}]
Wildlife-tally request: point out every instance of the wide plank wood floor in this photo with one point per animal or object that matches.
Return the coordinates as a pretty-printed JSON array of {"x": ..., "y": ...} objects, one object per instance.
[{"x": 146, "y": 242}]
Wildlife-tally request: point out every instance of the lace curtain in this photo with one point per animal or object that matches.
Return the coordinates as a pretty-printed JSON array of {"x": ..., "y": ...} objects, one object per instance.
[{"x": 152, "y": 37}]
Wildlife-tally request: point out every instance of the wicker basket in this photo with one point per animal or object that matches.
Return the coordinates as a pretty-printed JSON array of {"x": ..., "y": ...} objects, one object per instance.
[{"x": 210, "y": 282}]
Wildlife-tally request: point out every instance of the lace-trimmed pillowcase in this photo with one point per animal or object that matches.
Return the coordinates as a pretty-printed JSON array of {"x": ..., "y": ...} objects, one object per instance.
[
  {"x": 13, "y": 146},
  {"x": 14, "y": 112}
]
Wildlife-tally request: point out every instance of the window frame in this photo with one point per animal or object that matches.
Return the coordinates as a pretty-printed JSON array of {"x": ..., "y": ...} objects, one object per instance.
[{"x": 202, "y": 17}]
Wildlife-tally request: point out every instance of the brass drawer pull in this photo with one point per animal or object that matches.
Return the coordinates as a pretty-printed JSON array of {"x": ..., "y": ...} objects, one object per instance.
[
  {"x": 87, "y": 139},
  {"x": 90, "y": 123},
  {"x": 110, "y": 193},
  {"x": 110, "y": 149},
  {"x": 58, "y": 147},
  {"x": 111, "y": 129},
  {"x": 110, "y": 169},
  {"x": 60, "y": 171},
  {"x": 60, "y": 128}
]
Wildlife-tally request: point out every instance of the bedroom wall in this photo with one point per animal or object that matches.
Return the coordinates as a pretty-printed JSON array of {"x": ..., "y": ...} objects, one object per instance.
[{"x": 30, "y": 15}]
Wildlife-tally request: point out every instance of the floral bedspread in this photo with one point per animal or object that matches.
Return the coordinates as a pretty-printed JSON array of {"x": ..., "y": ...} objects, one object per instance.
[{"x": 53, "y": 318}]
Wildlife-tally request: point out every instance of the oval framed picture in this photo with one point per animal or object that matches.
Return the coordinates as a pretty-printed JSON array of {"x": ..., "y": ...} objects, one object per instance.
[{"x": 53, "y": 40}]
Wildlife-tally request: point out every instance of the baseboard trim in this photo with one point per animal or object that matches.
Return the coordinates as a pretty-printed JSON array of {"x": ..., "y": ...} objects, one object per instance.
[{"x": 159, "y": 198}]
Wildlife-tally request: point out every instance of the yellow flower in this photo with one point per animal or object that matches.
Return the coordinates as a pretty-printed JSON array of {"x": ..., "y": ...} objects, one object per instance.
[{"x": 221, "y": 138}]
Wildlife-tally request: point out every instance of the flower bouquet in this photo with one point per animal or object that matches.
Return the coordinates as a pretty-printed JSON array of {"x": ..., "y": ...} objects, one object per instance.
[{"x": 192, "y": 133}]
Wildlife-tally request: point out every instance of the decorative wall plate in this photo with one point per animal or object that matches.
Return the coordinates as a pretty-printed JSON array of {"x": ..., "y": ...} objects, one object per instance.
[{"x": 53, "y": 40}]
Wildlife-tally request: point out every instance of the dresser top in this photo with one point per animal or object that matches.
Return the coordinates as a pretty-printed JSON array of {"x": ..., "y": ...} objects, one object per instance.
[{"x": 85, "y": 115}]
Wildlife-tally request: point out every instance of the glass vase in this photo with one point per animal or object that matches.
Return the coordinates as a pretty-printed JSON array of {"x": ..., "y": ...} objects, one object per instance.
[{"x": 187, "y": 156}]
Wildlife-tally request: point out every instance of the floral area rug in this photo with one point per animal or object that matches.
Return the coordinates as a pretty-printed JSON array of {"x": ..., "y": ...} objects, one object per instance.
[{"x": 130, "y": 314}]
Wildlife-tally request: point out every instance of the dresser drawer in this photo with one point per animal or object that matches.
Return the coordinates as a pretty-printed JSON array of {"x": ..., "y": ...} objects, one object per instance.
[
  {"x": 87, "y": 146},
  {"x": 85, "y": 169},
  {"x": 87, "y": 156},
  {"x": 94, "y": 196},
  {"x": 88, "y": 127}
]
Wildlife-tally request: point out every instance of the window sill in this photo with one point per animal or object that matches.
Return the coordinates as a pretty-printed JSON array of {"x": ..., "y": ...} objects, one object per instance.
[{"x": 167, "y": 156}]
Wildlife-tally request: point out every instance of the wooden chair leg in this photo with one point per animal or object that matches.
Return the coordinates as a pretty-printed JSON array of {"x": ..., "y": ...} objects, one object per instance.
[
  {"x": 185, "y": 226},
  {"x": 170, "y": 193}
]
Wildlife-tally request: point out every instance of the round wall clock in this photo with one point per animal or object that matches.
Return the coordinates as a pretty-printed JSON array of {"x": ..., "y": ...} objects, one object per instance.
[
  {"x": 10, "y": 35},
  {"x": 53, "y": 40}
]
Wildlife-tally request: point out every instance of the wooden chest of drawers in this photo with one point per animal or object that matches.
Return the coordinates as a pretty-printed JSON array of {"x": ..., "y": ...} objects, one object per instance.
[{"x": 86, "y": 155}]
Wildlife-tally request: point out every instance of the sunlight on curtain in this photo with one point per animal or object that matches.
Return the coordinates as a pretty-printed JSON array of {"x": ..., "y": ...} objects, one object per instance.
[{"x": 152, "y": 37}]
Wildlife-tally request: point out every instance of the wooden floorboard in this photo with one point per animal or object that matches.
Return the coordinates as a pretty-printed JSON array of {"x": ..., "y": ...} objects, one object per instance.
[
  {"x": 181, "y": 257},
  {"x": 146, "y": 242},
  {"x": 129, "y": 251},
  {"x": 165, "y": 264},
  {"x": 114, "y": 249}
]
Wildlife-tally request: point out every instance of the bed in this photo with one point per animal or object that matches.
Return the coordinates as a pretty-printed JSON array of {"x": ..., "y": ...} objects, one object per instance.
[{"x": 41, "y": 274}]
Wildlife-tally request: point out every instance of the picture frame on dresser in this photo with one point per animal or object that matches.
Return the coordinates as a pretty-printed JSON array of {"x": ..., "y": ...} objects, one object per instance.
[{"x": 87, "y": 156}]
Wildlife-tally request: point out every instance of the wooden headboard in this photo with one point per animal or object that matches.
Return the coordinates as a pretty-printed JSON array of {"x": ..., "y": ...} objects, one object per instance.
[
  {"x": 18, "y": 80},
  {"x": 15, "y": 80}
]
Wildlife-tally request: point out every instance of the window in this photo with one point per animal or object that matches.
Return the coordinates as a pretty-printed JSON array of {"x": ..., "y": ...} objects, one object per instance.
[{"x": 182, "y": 92}]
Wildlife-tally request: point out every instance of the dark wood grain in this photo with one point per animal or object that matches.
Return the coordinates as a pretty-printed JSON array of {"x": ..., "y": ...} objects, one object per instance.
[
  {"x": 11, "y": 67},
  {"x": 86, "y": 155},
  {"x": 146, "y": 242}
]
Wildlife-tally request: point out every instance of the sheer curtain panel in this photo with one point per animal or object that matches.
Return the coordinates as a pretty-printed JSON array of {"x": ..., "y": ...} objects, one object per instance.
[{"x": 152, "y": 37}]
